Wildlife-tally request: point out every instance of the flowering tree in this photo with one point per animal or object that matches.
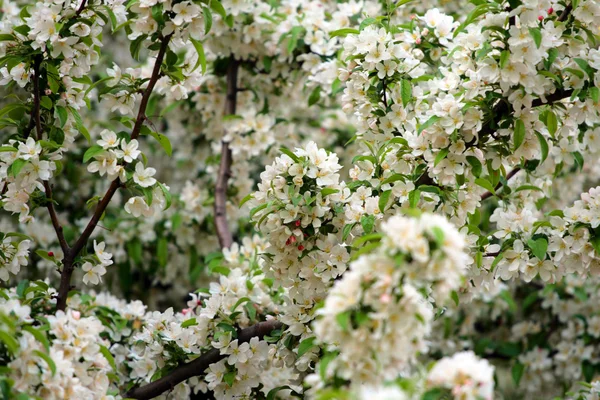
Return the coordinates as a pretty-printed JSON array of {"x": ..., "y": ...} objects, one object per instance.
[{"x": 320, "y": 199}]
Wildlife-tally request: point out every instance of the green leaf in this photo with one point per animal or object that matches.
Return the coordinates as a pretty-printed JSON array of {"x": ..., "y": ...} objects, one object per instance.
[
  {"x": 367, "y": 222},
  {"x": 246, "y": 198},
  {"x": 324, "y": 363},
  {"x": 48, "y": 360},
  {"x": 162, "y": 139},
  {"x": 273, "y": 392},
  {"x": 208, "y": 19},
  {"x": 189, "y": 322},
  {"x": 229, "y": 378},
  {"x": 348, "y": 228},
  {"x": 167, "y": 194},
  {"x": 17, "y": 166},
  {"x": 79, "y": 124},
  {"x": 10, "y": 342},
  {"x": 476, "y": 166},
  {"x": 343, "y": 320},
  {"x": 594, "y": 94},
  {"x": 428, "y": 123},
  {"x": 5, "y": 149},
  {"x": 504, "y": 58},
  {"x": 538, "y": 247},
  {"x": 517, "y": 372},
  {"x": 290, "y": 154},
  {"x": 528, "y": 187},
  {"x": 63, "y": 115},
  {"x": 414, "y": 197},
  {"x": 405, "y": 91},
  {"x": 366, "y": 22},
  {"x": 328, "y": 191},
  {"x": 383, "y": 200},
  {"x": 343, "y": 32},
  {"x": 441, "y": 155},
  {"x": 91, "y": 152},
  {"x": 315, "y": 95},
  {"x": 578, "y": 159},
  {"x": 201, "y": 56},
  {"x": 162, "y": 251},
  {"x": 484, "y": 183},
  {"x": 38, "y": 335},
  {"x": 519, "y": 134},
  {"x": 454, "y": 296},
  {"x": 551, "y": 122},
  {"x": 46, "y": 102},
  {"x": 239, "y": 302},
  {"x": 583, "y": 64},
  {"x": 219, "y": 9},
  {"x": 109, "y": 357},
  {"x": 306, "y": 345},
  {"x": 536, "y": 34},
  {"x": 251, "y": 311},
  {"x": 543, "y": 146}
]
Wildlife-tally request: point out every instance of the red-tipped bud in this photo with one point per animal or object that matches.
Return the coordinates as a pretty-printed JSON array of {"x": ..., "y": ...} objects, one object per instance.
[
  {"x": 50, "y": 254},
  {"x": 540, "y": 17},
  {"x": 550, "y": 10},
  {"x": 298, "y": 223},
  {"x": 300, "y": 247}
]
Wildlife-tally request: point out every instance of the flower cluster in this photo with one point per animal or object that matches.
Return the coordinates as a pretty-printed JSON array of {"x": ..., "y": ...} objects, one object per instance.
[
  {"x": 381, "y": 306},
  {"x": 64, "y": 361},
  {"x": 297, "y": 208},
  {"x": 14, "y": 253}
]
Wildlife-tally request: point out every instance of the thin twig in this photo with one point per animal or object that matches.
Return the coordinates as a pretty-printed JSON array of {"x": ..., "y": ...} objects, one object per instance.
[
  {"x": 221, "y": 224},
  {"x": 200, "y": 364},
  {"x": 65, "y": 279}
]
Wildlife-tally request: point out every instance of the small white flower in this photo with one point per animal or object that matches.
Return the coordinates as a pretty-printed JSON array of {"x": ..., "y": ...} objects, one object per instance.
[{"x": 143, "y": 176}]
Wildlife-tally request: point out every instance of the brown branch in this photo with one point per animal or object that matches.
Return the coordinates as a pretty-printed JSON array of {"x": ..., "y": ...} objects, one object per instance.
[
  {"x": 499, "y": 185},
  {"x": 565, "y": 13},
  {"x": 199, "y": 365},
  {"x": 81, "y": 8},
  {"x": 57, "y": 227},
  {"x": 35, "y": 115},
  {"x": 67, "y": 272},
  {"x": 221, "y": 225}
]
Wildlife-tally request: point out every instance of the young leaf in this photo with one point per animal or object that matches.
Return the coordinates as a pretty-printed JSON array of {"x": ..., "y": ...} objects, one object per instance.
[
  {"x": 91, "y": 152},
  {"x": 536, "y": 34},
  {"x": 484, "y": 183},
  {"x": 383, "y": 200},
  {"x": 519, "y": 135},
  {"x": 538, "y": 247},
  {"x": 201, "y": 57},
  {"x": 305, "y": 346},
  {"x": 405, "y": 91}
]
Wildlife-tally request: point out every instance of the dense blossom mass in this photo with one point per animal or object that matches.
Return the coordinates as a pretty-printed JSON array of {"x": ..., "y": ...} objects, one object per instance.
[{"x": 321, "y": 199}]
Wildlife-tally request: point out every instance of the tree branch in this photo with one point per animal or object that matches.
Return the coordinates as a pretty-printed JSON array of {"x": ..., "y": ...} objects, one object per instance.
[
  {"x": 499, "y": 185},
  {"x": 565, "y": 13},
  {"x": 57, "y": 227},
  {"x": 65, "y": 279},
  {"x": 221, "y": 225},
  {"x": 81, "y": 8},
  {"x": 35, "y": 116},
  {"x": 200, "y": 364}
]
